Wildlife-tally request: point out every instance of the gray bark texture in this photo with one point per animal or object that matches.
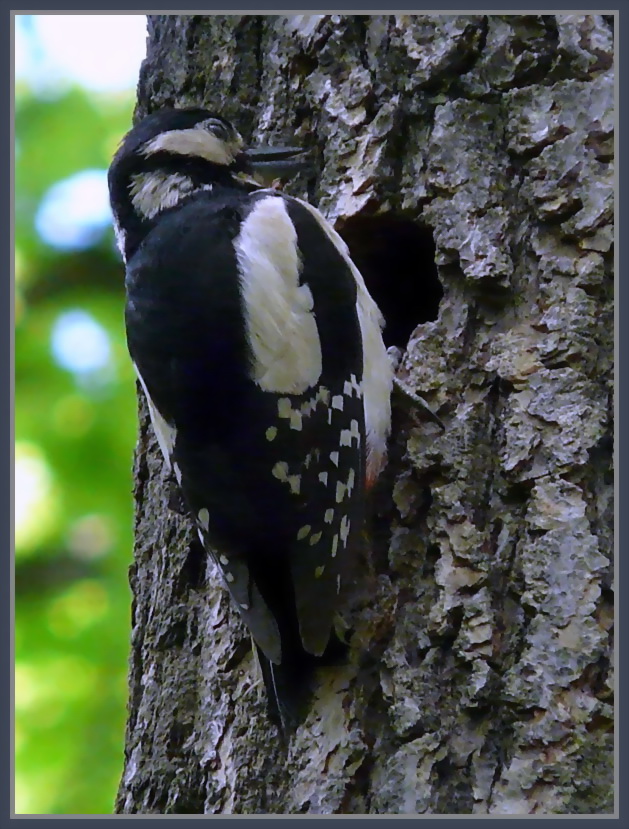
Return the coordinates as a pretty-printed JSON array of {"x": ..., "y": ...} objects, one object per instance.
[{"x": 480, "y": 615}]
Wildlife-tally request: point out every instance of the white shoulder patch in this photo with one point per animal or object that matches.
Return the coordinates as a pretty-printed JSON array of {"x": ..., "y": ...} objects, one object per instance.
[
  {"x": 377, "y": 369},
  {"x": 281, "y": 328},
  {"x": 164, "y": 433}
]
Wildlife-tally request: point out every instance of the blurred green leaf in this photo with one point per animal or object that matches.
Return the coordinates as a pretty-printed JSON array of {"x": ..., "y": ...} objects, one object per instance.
[{"x": 72, "y": 595}]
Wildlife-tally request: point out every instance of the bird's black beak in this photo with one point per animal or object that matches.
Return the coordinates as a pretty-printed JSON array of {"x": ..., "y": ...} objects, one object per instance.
[{"x": 270, "y": 163}]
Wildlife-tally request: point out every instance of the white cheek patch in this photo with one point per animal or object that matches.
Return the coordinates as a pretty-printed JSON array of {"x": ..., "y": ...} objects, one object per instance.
[
  {"x": 153, "y": 192},
  {"x": 280, "y": 325},
  {"x": 195, "y": 141}
]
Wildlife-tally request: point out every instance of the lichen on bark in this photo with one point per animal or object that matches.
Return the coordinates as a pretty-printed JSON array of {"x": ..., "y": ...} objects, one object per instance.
[{"x": 479, "y": 617}]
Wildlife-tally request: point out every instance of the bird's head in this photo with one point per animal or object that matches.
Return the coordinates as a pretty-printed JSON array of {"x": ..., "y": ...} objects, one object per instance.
[{"x": 174, "y": 153}]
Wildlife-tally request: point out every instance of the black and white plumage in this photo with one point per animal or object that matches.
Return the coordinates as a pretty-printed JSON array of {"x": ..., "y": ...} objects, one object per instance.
[{"x": 259, "y": 351}]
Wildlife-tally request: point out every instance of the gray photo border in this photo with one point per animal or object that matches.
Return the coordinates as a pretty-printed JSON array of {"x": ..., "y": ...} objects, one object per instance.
[{"x": 621, "y": 343}]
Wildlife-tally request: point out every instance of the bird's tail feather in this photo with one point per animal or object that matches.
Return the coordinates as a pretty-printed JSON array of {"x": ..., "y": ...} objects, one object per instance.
[{"x": 291, "y": 685}]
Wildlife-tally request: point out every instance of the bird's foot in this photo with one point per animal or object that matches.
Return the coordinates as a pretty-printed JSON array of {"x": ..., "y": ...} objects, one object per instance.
[
  {"x": 413, "y": 402},
  {"x": 407, "y": 399}
]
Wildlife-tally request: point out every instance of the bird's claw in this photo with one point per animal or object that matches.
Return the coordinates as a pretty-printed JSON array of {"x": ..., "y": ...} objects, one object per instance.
[{"x": 412, "y": 401}]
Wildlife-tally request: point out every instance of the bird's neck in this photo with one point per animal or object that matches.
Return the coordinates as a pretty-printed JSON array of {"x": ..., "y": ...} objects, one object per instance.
[{"x": 146, "y": 194}]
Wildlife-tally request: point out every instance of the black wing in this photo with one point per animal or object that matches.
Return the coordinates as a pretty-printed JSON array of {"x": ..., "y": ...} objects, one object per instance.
[{"x": 274, "y": 480}]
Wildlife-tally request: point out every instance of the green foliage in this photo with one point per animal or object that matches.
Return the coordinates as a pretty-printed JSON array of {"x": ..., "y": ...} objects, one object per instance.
[{"x": 74, "y": 444}]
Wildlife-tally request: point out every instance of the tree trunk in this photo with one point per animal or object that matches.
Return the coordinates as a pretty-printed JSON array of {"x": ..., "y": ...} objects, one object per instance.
[{"x": 480, "y": 617}]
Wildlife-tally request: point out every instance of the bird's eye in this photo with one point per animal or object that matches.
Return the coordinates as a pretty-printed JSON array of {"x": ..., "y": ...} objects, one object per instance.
[{"x": 219, "y": 129}]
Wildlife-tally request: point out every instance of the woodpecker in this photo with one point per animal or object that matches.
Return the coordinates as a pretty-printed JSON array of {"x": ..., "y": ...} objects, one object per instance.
[{"x": 259, "y": 351}]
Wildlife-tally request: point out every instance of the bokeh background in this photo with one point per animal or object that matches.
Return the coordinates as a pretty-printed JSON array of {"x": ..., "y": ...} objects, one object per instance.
[{"x": 75, "y": 411}]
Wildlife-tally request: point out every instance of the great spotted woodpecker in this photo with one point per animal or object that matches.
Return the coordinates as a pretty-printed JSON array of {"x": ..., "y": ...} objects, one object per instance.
[{"x": 259, "y": 351}]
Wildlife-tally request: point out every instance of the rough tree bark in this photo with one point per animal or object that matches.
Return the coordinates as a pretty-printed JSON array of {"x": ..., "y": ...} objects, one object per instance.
[{"x": 480, "y": 618}]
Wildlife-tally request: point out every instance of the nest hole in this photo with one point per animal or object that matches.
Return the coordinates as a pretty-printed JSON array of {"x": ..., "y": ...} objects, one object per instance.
[{"x": 397, "y": 260}]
